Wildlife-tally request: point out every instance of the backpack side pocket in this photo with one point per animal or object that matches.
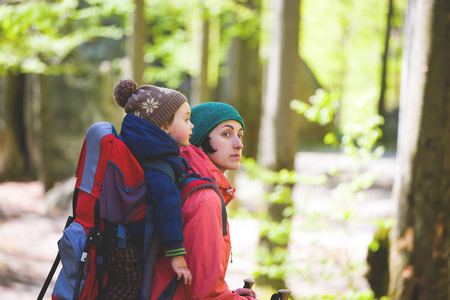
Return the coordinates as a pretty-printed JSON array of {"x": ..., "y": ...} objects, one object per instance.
[{"x": 71, "y": 247}]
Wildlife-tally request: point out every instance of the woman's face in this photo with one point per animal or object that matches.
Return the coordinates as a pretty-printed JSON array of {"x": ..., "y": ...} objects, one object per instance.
[{"x": 226, "y": 138}]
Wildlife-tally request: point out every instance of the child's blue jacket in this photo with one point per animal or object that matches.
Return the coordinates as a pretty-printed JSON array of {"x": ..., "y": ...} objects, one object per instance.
[{"x": 146, "y": 141}]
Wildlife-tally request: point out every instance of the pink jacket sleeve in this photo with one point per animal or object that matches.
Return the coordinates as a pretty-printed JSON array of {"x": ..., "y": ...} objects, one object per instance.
[{"x": 207, "y": 249}]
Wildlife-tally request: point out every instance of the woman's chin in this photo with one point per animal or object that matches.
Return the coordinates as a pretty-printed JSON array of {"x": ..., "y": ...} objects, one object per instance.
[{"x": 234, "y": 166}]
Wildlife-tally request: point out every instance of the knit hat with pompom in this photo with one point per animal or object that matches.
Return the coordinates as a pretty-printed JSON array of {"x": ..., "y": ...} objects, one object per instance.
[{"x": 154, "y": 104}]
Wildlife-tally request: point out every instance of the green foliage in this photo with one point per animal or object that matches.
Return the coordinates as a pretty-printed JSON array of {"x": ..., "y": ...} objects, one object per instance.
[
  {"x": 38, "y": 34},
  {"x": 276, "y": 232},
  {"x": 358, "y": 143},
  {"x": 321, "y": 110},
  {"x": 344, "y": 49},
  {"x": 382, "y": 234},
  {"x": 351, "y": 295},
  {"x": 284, "y": 176},
  {"x": 272, "y": 259},
  {"x": 173, "y": 53},
  {"x": 356, "y": 28},
  {"x": 273, "y": 264}
]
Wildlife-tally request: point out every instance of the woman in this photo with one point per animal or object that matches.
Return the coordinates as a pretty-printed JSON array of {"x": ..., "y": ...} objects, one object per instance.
[{"x": 216, "y": 146}]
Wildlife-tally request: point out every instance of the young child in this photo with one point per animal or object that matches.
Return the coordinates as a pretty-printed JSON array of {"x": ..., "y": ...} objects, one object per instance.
[{"x": 156, "y": 125}]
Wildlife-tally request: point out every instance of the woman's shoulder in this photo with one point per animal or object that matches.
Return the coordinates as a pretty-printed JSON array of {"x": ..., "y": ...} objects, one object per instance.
[{"x": 202, "y": 198}]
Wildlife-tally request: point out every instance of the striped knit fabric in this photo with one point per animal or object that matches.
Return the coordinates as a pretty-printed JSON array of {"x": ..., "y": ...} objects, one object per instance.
[{"x": 175, "y": 252}]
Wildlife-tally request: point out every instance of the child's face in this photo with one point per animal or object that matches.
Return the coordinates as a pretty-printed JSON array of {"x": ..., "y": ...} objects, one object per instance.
[{"x": 181, "y": 128}]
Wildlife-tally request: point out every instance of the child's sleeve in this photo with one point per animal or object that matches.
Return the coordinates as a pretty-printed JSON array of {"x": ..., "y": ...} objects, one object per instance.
[{"x": 166, "y": 198}]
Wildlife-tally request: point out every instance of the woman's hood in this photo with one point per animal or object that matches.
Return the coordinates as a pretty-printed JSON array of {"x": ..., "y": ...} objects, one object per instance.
[{"x": 201, "y": 164}]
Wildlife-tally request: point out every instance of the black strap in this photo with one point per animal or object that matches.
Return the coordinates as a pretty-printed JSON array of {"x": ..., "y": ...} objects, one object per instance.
[
  {"x": 224, "y": 209},
  {"x": 74, "y": 202},
  {"x": 170, "y": 290},
  {"x": 54, "y": 267},
  {"x": 159, "y": 165},
  {"x": 98, "y": 250},
  {"x": 205, "y": 182},
  {"x": 58, "y": 257}
]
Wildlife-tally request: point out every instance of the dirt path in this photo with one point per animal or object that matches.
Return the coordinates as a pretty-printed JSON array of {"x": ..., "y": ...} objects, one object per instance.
[{"x": 323, "y": 260}]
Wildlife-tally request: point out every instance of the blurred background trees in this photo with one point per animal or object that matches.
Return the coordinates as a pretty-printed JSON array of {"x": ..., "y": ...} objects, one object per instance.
[
  {"x": 216, "y": 50},
  {"x": 340, "y": 60}
]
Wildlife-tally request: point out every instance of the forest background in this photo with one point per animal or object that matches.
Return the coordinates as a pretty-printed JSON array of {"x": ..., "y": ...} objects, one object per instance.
[{"x": 307, "y": 76}]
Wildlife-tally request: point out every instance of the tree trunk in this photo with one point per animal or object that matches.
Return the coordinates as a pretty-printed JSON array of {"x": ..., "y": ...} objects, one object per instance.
[
  {"x": 138, "y": 41},
  {"x": 200, "y": 90},
  {"x": 381, "y": 102},
  {"x": 250, "y": 105},
  {"x": 46, "y": 170},
  {"x": 242, "y": 86},
  {"x": 278, "y": 138},
  {"x": 278, "y": 135},
  {"x": 420, "y": 259},
  {"x": 14, "y": 158}
]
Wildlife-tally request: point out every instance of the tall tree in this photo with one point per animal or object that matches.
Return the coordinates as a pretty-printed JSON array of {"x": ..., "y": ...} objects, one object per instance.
[
  {"x": 200, "y": 91},
  {"x": 420, "y": 260},
  {"x": 278, "y": 135},
  {"x": 45, "y": 166},
  {"x": 14, "y": 154},
  {"x": 246, "y": 77},
  {"x": 138, "y": 41},
  {"x": 242, "y": 85},
  {"x": 384, "y": 66},
  {"x": 38, "y": 37}
]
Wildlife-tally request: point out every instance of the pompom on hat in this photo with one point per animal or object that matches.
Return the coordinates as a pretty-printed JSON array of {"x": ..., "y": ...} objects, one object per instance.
[
  {"x": 154, "y": 104},
  {"x": 207, "y": 116}
]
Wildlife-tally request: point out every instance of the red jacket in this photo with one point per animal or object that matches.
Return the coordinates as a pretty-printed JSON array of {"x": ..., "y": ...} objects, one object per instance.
[{"x": 208, "y": 251}]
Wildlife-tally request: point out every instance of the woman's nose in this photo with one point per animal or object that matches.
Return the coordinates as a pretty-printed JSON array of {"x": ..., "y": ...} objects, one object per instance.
[{"x": 238, "y": 143}]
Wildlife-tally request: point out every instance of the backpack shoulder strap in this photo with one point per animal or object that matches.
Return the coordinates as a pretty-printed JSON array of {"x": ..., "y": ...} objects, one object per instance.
[
  {"x": 194, "y": 183},
  {"x": 161, "y": 166}
]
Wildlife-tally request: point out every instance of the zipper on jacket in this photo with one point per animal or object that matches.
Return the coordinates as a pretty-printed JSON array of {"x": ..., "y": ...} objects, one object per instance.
[{"x": 229, "y": 191}]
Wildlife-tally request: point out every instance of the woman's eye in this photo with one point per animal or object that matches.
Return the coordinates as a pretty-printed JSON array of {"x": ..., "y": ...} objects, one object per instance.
[
  {"x": 226, "y": 134},
  {"x": 240, "y": 136}
]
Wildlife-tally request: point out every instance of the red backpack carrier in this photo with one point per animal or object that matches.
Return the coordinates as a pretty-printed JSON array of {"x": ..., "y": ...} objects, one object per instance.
[{"x": 110, "y": 188}]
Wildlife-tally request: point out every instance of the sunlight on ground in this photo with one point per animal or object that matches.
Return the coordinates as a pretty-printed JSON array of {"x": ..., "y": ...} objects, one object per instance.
[{"x": 327, "y": 252}]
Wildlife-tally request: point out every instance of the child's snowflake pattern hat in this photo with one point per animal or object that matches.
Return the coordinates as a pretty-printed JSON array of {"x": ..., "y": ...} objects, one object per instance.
[{"x": 154, "y": 104}]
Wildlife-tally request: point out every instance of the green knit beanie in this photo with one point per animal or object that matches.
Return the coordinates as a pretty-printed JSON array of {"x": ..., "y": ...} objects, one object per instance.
[{"x": 207, "y": 116}]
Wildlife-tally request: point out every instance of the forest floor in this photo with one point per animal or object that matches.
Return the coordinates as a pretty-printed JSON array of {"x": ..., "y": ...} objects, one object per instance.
[{"x": 327, "y": 252}]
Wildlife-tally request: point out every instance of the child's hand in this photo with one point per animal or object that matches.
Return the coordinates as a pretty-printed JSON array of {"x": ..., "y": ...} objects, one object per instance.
[{"x": 179, "y": 266}]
